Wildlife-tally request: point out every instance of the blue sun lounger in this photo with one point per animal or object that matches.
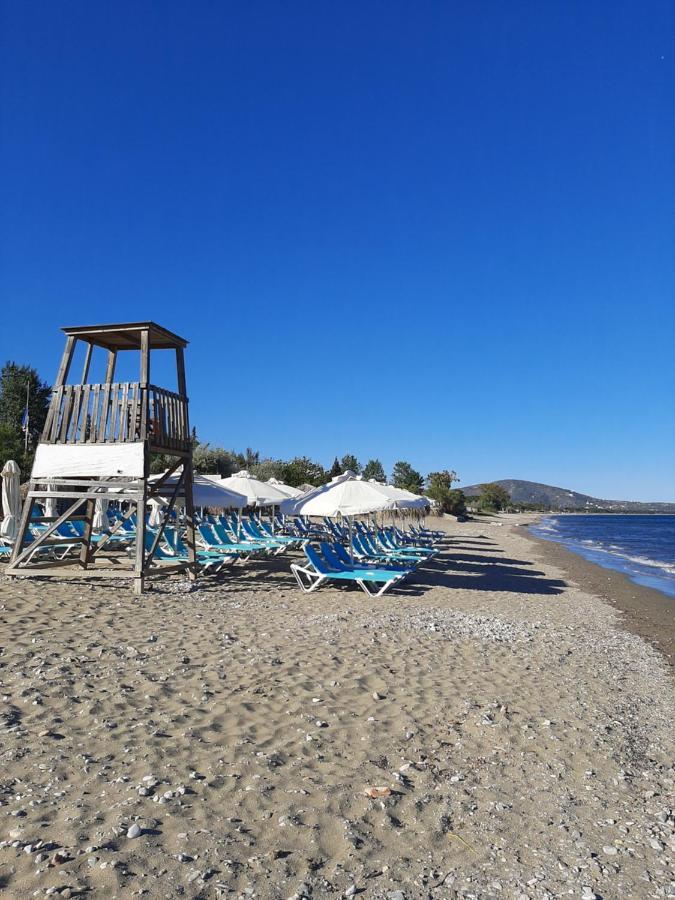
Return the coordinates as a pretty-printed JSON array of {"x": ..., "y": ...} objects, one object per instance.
[
  {"x": 210, "y": 562},
  {"x": 373, "y": 582},
  {"x": 337, "y": 558},
  {"x": 216, "y": 539}
]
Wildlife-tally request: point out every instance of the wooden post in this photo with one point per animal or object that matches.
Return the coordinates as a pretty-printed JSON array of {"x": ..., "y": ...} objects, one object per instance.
[
  {"x": 145, "y": 357},
  {"x": 190, "y": 538},
  {"x": 26, "y": 513},
  {"x": 66, "y": 360},
  {"x": 87, "y": 363},
  {"x": 142, "y": 503},
  {"x": 86, "y": 537},
  {"x": 110, "y": 368}
]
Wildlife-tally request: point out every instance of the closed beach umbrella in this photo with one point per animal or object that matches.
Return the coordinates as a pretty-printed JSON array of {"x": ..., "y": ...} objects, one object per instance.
[
  {"x": 101, "y": 522},
  {"x": 50, "y": 502},
  {"x": 257, "y": 493},
  {"x": 155, "y": 519},
  {"x": 11, "y": 500}
]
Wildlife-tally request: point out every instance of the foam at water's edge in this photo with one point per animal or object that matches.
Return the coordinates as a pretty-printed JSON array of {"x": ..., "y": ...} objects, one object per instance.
[{"x": 640, "y": 569}]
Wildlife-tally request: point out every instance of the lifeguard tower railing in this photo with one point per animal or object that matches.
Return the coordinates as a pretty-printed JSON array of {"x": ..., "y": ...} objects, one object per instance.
[{"x": 120, "y": 412}]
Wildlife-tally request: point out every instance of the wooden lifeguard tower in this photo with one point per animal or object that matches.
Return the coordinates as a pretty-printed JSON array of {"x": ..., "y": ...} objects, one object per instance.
[{"x": 96, "y": 445}]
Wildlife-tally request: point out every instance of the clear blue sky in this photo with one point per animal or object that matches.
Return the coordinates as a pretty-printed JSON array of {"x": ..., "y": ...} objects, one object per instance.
[{"x": 441, "y": 232}]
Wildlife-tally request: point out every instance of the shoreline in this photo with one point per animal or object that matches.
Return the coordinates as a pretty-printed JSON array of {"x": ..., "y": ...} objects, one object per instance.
[{"x": 645, "y": 611}]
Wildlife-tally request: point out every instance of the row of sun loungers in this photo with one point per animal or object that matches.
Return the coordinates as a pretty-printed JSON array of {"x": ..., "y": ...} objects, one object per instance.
[{"x": 375, "y": 558}]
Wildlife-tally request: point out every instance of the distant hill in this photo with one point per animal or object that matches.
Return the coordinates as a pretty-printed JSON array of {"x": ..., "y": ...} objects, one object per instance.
[{"x": 555, "y": 498}]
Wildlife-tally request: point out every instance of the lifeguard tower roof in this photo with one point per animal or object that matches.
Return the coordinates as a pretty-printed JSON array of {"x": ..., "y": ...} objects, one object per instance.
[{"x": 126, "y": 336}]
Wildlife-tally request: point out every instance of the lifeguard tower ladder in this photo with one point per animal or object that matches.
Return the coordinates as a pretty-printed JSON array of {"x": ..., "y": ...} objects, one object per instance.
[{"x": 96, "y": 445}]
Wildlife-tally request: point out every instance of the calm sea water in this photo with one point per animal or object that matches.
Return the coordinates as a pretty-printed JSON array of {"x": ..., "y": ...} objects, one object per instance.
[{"x": 642, "y": 547}]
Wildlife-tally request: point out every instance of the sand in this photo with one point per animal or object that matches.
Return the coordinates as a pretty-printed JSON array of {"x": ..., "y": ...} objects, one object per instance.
[{"x": 521, "y": 736}]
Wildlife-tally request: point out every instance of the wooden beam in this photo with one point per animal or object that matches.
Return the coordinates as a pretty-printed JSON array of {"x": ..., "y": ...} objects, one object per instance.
[
  {"x": 162, "y": 527},
  {"x": 86, "y": 537},
  {"x": 190, "y": 538},
  {"x": 153, "y": 489},
  {"x": 139, "y": 566},
  {"x": 66, "y": 360},
  {"x": 23, "y": 528},
  {"x": 73, "y": 481},
  {"x": 89, "y": 495},
  {"x": 180, "y": 371},
  {"x": 87, "y": 363},
  {"x": 145, "y": 357},
  {"x": 75, "y": 574},
  {"x": 104, "y": 540},
  {"x": 110, "y": 368}
]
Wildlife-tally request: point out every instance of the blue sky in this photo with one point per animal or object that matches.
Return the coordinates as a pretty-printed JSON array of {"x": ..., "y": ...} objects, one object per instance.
[{"x": 440, "y": 232}]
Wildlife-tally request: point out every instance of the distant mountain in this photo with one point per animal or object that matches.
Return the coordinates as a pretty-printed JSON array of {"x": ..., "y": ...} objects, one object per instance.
[{"x": 555, "y": 498}]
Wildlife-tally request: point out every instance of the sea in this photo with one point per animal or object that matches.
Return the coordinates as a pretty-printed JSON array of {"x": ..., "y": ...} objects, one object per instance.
[{"x": 641, "y": 547}]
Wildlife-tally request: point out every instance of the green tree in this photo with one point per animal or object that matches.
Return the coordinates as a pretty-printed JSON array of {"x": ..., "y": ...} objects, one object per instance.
[
  {"x": 11, "y": 447},
  {"x": 374, "y": 469},
  {"x": 208, "y": 460},
  {"x": 455, "y": 503},
  {"x": 303, "y": 470},
  {"x": 269, "y": 468},
  {"x": 349, "y": 463},
  {"x": 493, "y": 497},
  {"x": 404, "y": 476},
  {"x": 439, "y": 488},
  {"x": 251, "y": 458},
  {"x": 335, "y": 469},
  {"x": 14, "y": 380}
]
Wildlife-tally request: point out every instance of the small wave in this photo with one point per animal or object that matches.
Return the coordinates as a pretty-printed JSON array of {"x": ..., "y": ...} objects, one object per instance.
[
  {"x": 651, "y": 563},
  {"x": 620, "y": 554}
]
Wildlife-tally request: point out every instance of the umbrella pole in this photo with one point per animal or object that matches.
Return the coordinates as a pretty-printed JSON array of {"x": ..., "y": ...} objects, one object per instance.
[
  {"x": 351, "y": 539},
  {"x": 239, "y": 524}
]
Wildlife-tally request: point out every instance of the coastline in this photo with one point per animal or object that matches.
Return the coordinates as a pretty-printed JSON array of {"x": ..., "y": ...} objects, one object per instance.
[{"x": 645, "y": 611}]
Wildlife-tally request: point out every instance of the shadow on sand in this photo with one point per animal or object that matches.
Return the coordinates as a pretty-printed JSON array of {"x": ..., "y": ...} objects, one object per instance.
[{"x": 475, "y": 572}]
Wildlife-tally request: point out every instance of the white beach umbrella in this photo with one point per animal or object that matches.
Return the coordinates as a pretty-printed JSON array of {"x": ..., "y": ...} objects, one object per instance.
[
  {"x": 206, "y": 491},
  {"x": 285, "y": 488},
  {"x": 346, "y": 495},
  {"x": 101, "y": 521},
  {"x": 403, "y": 499},
  {"x": 257, "y": 493},
  {"x": 11, "y": 500}
]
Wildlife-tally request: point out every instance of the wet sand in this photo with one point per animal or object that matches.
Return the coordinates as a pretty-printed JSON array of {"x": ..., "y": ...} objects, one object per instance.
[
  {"x": 490, "y": 730},
  {"x": 645, "y": 611}
]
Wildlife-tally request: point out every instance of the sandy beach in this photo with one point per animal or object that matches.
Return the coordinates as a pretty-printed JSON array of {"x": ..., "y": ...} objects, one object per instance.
[{"x": 493, "y": 730}]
